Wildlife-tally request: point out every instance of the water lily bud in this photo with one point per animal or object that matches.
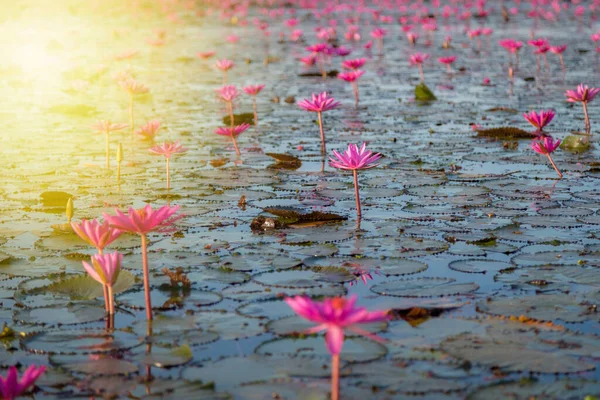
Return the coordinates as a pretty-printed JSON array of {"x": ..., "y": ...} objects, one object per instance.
[
  {"x": 120, "y": 153},
  {"x": 69, "y": 210}
]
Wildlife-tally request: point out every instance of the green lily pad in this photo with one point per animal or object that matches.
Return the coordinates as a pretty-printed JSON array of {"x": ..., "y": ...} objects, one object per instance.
[{"x": 423, "y": 93}]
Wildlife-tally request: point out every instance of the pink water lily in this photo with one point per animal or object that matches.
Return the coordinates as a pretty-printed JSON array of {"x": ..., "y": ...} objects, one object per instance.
[
  {"x": 254, "y": 90},
  {"x": 107, "y": 127},
  {"x": 224, "y": 65},
  {"x": 105, "y": 268},
  {"x": 559, "y": 50},
  {"x": 335, "y": 315},
  {"x": 233, "y": 132},
  {"x": 546, "y": 146},
  {"x": 142, "y": 222},
  {"x": 418, "y": 59},
  {"x": 149, "y": 130},
  {"x": 352, "y": 77},
  {"x": 168, "y": 149},
  {"x": 354, "y": 64},
  {"x": 228, "y": 94},
  {"x": 12, "y": 387},
  {"x": 133, "y": 88},
  {"x": 583, "y": 94},
  {"x": 95, "y": 233},
  {"x": 354, "y": 159},
  {"x": 540, "y": 120},
  {"x": 205, "y": 55},
  {"x": 319, "y": 103},
  {"x": 448, "y": 60}
]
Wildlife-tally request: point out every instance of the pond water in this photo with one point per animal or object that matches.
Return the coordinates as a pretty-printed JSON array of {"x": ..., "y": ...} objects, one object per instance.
[{"x": 488, "y": 262}]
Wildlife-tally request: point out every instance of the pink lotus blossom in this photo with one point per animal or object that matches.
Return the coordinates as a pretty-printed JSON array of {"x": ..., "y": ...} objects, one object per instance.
[
  {"x": 11, "y": 387},
  {"x": 412, "y": 37},
  {"x": 95, "y": 233},
  {"x": 107, "y": 126},
  {"x": 232, "y": 39},
  {"x": 133, "y": 87},
  {"x": 352, "y": 77},
  {"x": 309, "y": 60},
  {"x": 538, "y": 42},
  {"x": 368, "y": 45},
  {"x": 418, "y": 58},
  {"x": 142, "y": 222},
  {"x": 319, "y": 103},
  {"x": 558, "y": 49},
  {"x": 584, "y": 95},
  {"x": 105, "y": 269},
  {"x": 228, "y": 93},
  {"x": 378, "y": 33},
  {"x": 486, "y": 81},
  {"x": 253, "y": 90},
  {"x": 168, "y": 149},
  {"x": 540, "y": 120},
  {"x": 296, "y": 35},
  {"x": 354, "y": 64},
  {"x": 343, "y": 51},
  {"x": 318, "y": 48},
  {"x": 449, "y": 60},
  {"x": 233, "y": 132},
  {"x": 546, "y": 146},
  {"x": 335, "y": 315},
  {"x": 224, "y": 64},
  {"x": 205, "y": 55},
  {"x": 149, "y": 130},
  {"x": 595, "y": 37},
  {"x": 355, "y": 159}
]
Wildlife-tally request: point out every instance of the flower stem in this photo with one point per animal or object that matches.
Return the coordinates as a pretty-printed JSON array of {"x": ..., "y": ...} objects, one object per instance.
[
  {"x": 237, "y": 149},
  {"x": 358, "y": 212},
  {"x": 546, "y": 62},
  {"x": 107, "y": 151},
  {"x": 449, "y": 69},
  {"x": 560, "y": 175},
  {"x": 230, "y": 110},
  {"x": 335, "y": 376},
  {"x": 562, "y": 63},
  {"x": 355, "y": 89},
  {"x": 146, "y": 277},
  {"x": 255, "y": 112},
  {"x": 588, "y": 127},
  {"x": 106, "y": 300},
  {"x": 320, "y": 118},
  {"x": 111, "y": 301},
  {"x": 168, "y": 175},
  {"x": 131, "y": 112}
]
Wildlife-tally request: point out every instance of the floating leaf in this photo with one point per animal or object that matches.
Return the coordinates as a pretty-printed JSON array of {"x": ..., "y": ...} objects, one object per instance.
[
  {"x": 531, "y": 388},
  {"x": 575, "y": 144},
  {"x": 82, "y": 341},
  {"x": 423, "y": 93},
  {"x": 424, "y": 287},
  {"x": 504, "y": 132}
]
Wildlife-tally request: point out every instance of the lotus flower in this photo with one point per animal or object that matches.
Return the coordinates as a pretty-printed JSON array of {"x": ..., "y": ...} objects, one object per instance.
[
  {"x": 11, "y": 387},
  {"x": 233, "y": 132},
  {"x": 335, "y": 315},
  {"x": 540, "y": 120},
  {"x": 107, "y": 127},
  {"x": 167, "y": 149},
  {"x": 355, "y": 159},
  {"x": 105, "y": 269},
  {"x": 583, "y": 94},
  {"x": 418, "y": 59},
  {"x": 133, "y": 88},
  {"x": 352, "y": 78},
  {"x": 447, "y": 61},
  {"x": 353, "y": 64},
  {"x": 149, "y": 130},
  {"x": 142, "y": 222},
  {"x": 546, "y": 146},
  {"x": 224, "y": 65},
  {"x": 319, "y": 103},
  {"x": 254, "y": 90},
  {"x": 228, "y": 94}
]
